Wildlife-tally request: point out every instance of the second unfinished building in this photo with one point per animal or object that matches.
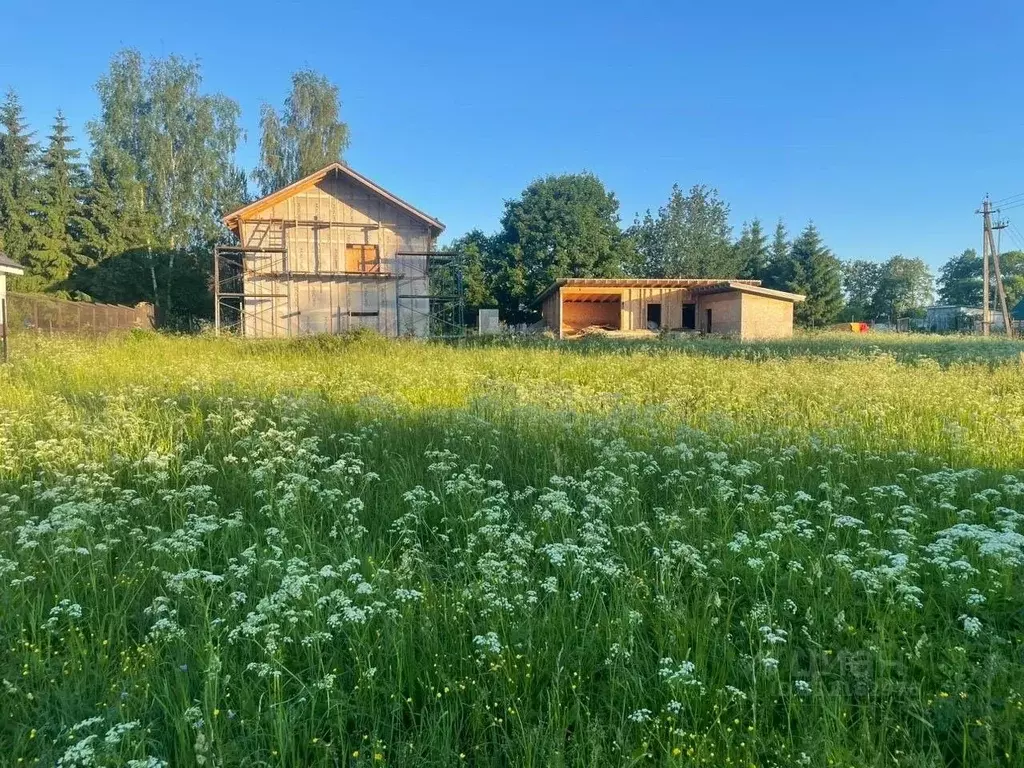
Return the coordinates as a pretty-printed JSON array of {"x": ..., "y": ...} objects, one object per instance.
[{"x": 738, "y": 308}]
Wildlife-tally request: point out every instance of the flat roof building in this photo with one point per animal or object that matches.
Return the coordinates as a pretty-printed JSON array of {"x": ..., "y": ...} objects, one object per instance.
[{"x": 740, "y": 308}]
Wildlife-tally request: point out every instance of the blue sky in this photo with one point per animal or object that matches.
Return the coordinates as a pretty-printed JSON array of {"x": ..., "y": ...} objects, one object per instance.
[{"x": 884, "y": 122}]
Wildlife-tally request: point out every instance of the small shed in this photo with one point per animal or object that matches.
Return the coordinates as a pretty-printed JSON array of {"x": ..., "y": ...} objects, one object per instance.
[
  {"x": 940, "y": 318},
  {"x": 1017, "y": 315},
  {"x": 8, "y": 266},
  {"x": 741, "y": 308}
]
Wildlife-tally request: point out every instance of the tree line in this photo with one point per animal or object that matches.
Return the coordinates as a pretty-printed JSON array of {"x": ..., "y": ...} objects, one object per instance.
[
  {"x": 569, "y": 226},
  {"x": 135, "y": 217}
]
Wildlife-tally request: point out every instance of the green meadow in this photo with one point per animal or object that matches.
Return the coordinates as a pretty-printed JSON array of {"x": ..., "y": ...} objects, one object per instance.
[{"x": 355, "y": 552}]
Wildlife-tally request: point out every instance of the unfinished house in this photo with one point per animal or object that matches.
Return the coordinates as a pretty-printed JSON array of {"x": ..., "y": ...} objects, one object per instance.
[
  {"x": 738, "y": 308},
  {"x": 330, "y": 253}
]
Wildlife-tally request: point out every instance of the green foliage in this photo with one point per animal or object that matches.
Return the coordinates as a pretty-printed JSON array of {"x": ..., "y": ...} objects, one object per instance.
[
  {"x": 813, "y": 271},
  {"x": 308, "y": 135},
  {"x": 180, "y": 280},
  {"x": 60, "y": 223},
  {"x": 860, "y": 280},
  {"x": 904, "y": 288},
  {"x": 112, "y": 223},
  {"x": 168, "y": 149},
  {"x": 477, "y": 254},
  {"x": 690, "y": 237},
  {"x": 163, "y": 172},
  {"x": 777, "y": 270},
  {"x": 1012, "y": 265},
  {"x": 561, "y": 226},
  {"x": 960, "y": 279},
  {"x": 358, "y": 552},
  {"x": 18, "y": 168},
  {"x": 752, "y": 251}
]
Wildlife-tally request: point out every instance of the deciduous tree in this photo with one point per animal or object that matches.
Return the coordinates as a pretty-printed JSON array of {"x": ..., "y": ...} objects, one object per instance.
[
  {"x": 689, "y": 237},
  {"x": 169, "y": 145},
  {"x": 860, "y": 280},
  {"x": 960, "y": 279},
  {"x": 904, "y": 288},
  {"x": 305, "y": 136},
  {"x": 165, "y": 151},
  {"x": 561, "y": 226},
  {"x": 476, "y": 252}
]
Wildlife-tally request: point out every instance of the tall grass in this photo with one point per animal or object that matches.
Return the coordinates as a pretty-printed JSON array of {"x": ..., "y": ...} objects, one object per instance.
[{"x": 355, "y": 553}]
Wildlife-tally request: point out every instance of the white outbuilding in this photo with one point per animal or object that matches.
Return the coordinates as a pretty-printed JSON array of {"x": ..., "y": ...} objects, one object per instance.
[{"x": 8, "y": 266}]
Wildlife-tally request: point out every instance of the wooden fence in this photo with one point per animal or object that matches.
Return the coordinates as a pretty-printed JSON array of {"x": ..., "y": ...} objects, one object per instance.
[{"x": 31, "y": 313}]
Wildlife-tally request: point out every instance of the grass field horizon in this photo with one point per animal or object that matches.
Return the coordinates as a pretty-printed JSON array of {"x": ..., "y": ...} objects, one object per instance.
[{"x": 366, "y": 552}]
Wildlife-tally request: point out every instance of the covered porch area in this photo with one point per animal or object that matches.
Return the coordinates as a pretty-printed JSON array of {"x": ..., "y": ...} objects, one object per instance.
[{"x": 581, "y": 309}]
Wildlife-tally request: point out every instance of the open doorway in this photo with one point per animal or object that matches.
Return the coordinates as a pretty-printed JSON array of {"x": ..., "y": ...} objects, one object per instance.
[
  {"x": 653, "y": 317},
  {"x": 689, "y": 317},
  {"x": 707, "y": 327},
  {"x": 581, "y": 311}
]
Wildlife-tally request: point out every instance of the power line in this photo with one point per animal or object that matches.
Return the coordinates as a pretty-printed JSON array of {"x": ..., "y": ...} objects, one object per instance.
[
  {"x": 1007, "y": 198},
  {"x": 1017, "y": 236}
]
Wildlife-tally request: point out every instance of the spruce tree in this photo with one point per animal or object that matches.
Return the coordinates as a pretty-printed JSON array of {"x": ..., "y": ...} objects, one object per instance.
[
  {"x": 17, "y": 181},
  {"x": 115, "y": 215},
  {"x": 817, "y": 274},
  {"x": 752, "y": 251},
  {"x": 779, "y": 270},
  {"x": 58, "y": 233}
]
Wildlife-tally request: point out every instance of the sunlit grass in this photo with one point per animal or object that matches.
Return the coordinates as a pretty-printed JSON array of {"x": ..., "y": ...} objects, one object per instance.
[{"x": 381, "y": 553}]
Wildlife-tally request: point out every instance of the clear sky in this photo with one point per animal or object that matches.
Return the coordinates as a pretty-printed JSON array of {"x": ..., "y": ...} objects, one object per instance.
[{"x": 885, "y": 122}]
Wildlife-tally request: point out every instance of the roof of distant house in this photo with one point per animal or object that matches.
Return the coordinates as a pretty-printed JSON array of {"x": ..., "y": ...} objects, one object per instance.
[
  {"x": 232, "y": 219},
  {"x": 9, "y": 265},
  {"x": 1017, "y": 313}
]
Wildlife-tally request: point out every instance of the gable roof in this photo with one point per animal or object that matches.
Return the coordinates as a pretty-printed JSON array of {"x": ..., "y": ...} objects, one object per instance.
[
  {"x": 746, "y": 287},
  {"x": 9, "y": 266},
  {"x": 633, "y": 282},
  {"x": 232, "y": 219},
  {"x": 1017, "y": 313}
]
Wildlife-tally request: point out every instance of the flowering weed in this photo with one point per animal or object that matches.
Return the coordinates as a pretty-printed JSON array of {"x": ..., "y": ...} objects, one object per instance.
[{"x": 215, "y": 553}]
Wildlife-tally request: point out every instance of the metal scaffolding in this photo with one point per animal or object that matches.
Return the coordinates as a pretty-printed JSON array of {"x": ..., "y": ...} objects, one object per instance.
[
  {"x": 428, "y": 284},
  {"x": 230, "y": 272},
  {"x": 444, "y": 303}
]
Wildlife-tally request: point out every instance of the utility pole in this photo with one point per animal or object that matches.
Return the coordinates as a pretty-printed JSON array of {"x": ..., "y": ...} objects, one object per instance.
[
  {"x": 986, "y": 283},
  {"x": 989, "y": 250}
]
